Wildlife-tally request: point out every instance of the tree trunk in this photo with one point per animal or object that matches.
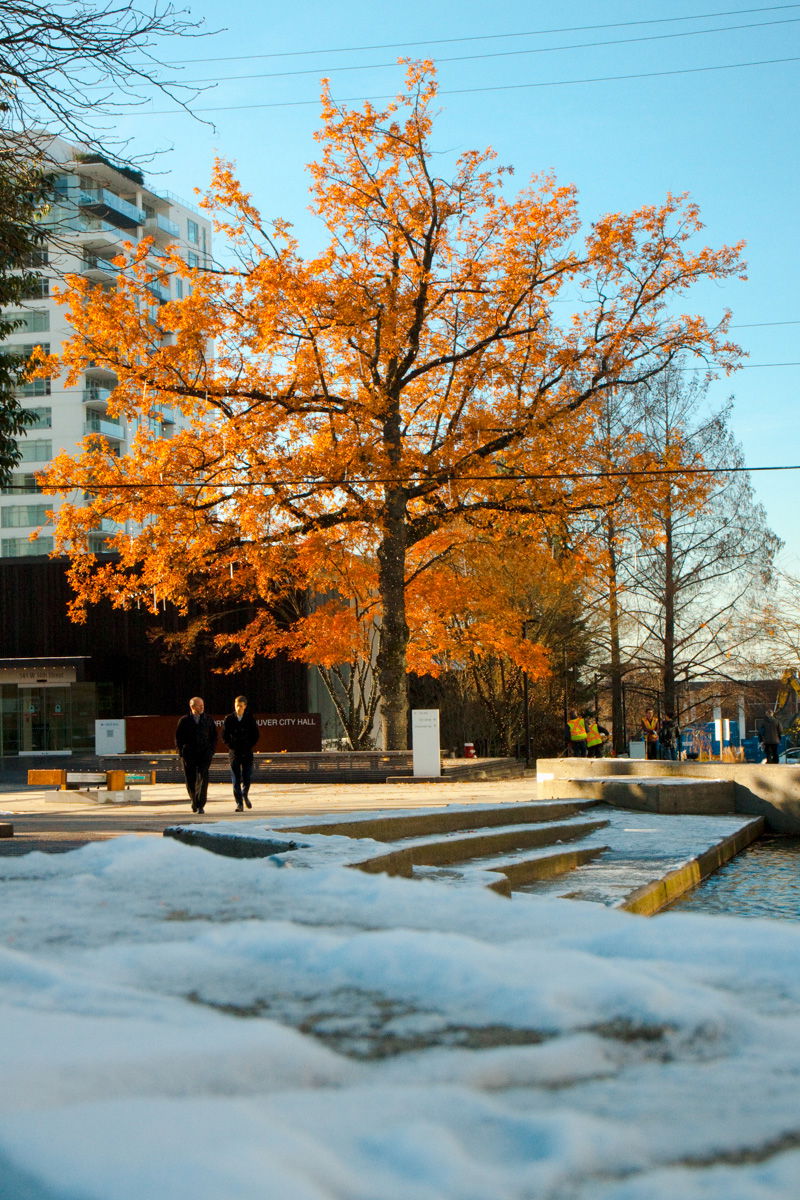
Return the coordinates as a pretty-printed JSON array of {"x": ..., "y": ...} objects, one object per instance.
[{"x": 394, "y": 629}]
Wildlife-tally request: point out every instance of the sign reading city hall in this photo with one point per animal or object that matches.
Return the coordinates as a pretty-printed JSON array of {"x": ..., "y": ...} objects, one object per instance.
[{"x": 298, "y": 732}]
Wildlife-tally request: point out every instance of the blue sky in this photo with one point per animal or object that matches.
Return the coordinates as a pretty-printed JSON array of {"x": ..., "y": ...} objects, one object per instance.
[{"x": 626, "y": 110}]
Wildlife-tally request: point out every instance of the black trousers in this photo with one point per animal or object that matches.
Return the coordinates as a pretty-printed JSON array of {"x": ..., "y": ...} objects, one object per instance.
[
  {"x": 241, "y": 774},
  {"x": 196, "y": 776},
  {"x": 771, "y": 751}
]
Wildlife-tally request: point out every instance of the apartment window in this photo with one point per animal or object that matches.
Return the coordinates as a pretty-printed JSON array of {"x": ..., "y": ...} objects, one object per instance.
[
  {"x": 192, "y": 259},
  {"x": 36, "y": 258},
  {"x": 19, "y": 350},
  {"x": 22, "y": 548},
  {"x": 36, "y": 450},
  {"x": 35, "y": 387},
  {"x": 17, "y": 516},
  {"x": 21, "y": 483},
  {"x": 44, "y": 417},
  {"x": 30, "y": 320},
  {"x": 193, "y": 232},
  {"x": 39, "y": 289},
  {"x": 179, "y": 289}
]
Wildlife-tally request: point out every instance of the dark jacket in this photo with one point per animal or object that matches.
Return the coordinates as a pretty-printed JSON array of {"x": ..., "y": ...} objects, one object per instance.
[
  {"x": 240, "y": 736},
  {"x": 196, "y": 740},
  {"x": 770, "y": 731},
  {"x": 669, "y": 732}
]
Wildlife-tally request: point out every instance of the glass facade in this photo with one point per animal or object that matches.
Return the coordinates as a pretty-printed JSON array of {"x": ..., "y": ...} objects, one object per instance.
[{"x": 51, "y": 718}]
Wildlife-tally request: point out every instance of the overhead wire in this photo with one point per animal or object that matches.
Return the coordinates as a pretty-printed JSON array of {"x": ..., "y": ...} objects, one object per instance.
[
  {"x": 654, "y": 37},
  {"x": 500, "y": 87},
  {"x": 484, "y": 37},
  {"x": 380, "y": 480}
]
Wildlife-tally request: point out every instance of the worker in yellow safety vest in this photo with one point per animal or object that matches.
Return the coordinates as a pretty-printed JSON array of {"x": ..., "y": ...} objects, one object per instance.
[
  {"x": 577, "y": 734},
  {"x": 650, "y": 726},
  {"x": 595, "y": 736}
]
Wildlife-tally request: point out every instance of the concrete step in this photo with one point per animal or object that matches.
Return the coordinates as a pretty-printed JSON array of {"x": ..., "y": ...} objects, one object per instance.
[
  {"x": 482, "y": 844},
  {"x": 388, "y": 827},
  {"x": 657, "y": 794}
]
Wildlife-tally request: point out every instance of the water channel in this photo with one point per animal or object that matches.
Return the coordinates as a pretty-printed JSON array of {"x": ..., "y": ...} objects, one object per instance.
[{"x": 763, "y": 881}]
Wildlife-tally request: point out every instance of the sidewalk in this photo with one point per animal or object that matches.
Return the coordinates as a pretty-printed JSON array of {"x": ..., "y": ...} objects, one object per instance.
[{"x": 64, "y": 820}]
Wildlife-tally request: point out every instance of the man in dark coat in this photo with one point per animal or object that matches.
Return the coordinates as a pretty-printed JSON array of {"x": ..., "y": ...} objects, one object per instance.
[
  {"x": 195, "y": 740},
  {"x": 240, "y": 734},
  {"x": 770, "y": 734}
]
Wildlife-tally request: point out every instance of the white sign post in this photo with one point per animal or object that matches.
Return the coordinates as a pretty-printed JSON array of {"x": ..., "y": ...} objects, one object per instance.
[
  {"x": 109, "y": 737},
  {"x": 425, "y": 743}
]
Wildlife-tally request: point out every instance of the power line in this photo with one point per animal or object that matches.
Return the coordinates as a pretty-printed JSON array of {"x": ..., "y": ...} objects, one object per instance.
[
  {"x": 741, "y": 366},
  {"x": 484, "y": 37},
  {"x": 348, "y": 481},
  {"x": 764, "y": 324},
  {"x": 654, "y": 37},
  {"x": 501, "y": 87}
]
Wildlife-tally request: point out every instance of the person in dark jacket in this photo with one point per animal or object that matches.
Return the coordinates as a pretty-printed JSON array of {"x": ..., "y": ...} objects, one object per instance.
[
  {"x": 196, "y": 740},
  {"x": 240, "y": 734},
  {"x": 669, "y": 737},
  {"x": 770, "y": 734}
]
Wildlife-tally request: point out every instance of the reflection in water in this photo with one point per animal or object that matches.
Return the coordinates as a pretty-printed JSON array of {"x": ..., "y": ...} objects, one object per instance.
[{"x": 764, "y": 881}]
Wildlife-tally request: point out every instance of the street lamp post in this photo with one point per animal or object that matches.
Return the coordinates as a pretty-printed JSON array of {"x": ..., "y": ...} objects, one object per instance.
[{"x": 526, "y": 707}]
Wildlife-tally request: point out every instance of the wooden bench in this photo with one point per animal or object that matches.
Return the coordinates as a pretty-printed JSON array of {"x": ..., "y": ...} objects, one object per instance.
[{"x": 113, "y": 781}]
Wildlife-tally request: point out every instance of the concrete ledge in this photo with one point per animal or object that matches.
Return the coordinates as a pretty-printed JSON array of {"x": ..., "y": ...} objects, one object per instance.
[
  {"x": 481, "y": 845},
  {"x": 653, "y": 897},
  {"x": 109, "y": 796},
  {"x": 94, "y": 796},
  {"x": 517, "y": 874},
  {"x": 228, "y": 847},
  {"x": 389, "y": 828},
  {"x": 769, "y": 790},
  {"x": 665, "y": 795}
]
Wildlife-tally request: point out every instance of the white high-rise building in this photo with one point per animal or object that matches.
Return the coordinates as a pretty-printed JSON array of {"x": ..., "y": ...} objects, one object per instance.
[{"x": 99, "y": 205}]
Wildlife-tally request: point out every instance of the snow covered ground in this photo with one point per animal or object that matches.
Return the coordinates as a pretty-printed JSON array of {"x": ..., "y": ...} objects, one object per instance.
[{"x": 181, "y": 1025}]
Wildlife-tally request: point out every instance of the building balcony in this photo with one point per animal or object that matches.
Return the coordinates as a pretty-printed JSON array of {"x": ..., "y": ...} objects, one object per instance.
[
  {"x": 96, "y": 394},
  {"x": 94, "y": 265},
  {"x": 107, "y": 426},
  {"x": 161, "y": 227},
  {"x": 97, "y": 376},
  {"x": 104, "y": 203},
  {"x": 159, "y": 291}
]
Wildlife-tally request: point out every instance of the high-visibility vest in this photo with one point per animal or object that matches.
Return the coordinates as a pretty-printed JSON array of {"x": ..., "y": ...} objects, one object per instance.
[
  {"x": 577, "y": 730},
  {"x": 650, "y": 728},
  {"x": 593, "y": 737}
]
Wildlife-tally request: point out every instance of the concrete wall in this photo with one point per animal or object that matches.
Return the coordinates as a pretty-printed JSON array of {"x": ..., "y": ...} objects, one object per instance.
[{"x": 766, "y": 790}]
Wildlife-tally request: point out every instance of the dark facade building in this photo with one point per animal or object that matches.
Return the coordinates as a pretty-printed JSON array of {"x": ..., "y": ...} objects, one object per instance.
[{"x": 57, "y": 677}]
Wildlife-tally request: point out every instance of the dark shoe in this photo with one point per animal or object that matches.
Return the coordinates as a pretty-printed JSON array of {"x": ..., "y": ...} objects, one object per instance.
[
  {"x": 201, "y": 810},
  {"x": 194, "y": 808},
  {"x": 238, "y": 808},
  {"x": 247, "y": 802}
]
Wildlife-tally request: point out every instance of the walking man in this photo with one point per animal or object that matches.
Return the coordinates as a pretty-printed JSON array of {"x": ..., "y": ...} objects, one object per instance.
[
  {"x": 240, "y": 734},
  {"x": 196, "y": 740}
]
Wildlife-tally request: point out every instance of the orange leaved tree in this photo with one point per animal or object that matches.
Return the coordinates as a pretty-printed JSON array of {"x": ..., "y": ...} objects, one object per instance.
[{"x": 411, "y": 381}]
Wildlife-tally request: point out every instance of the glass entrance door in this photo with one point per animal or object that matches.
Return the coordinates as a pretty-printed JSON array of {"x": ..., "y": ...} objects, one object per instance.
[{"x": 44, "y": 720}]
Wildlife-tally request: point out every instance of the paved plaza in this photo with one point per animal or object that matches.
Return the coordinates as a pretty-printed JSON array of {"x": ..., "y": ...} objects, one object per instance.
[{"x": 63, "y": 820}]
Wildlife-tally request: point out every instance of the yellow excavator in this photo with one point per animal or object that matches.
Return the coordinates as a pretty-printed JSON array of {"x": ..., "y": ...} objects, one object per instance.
[{"x": 787, "y": 701}]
